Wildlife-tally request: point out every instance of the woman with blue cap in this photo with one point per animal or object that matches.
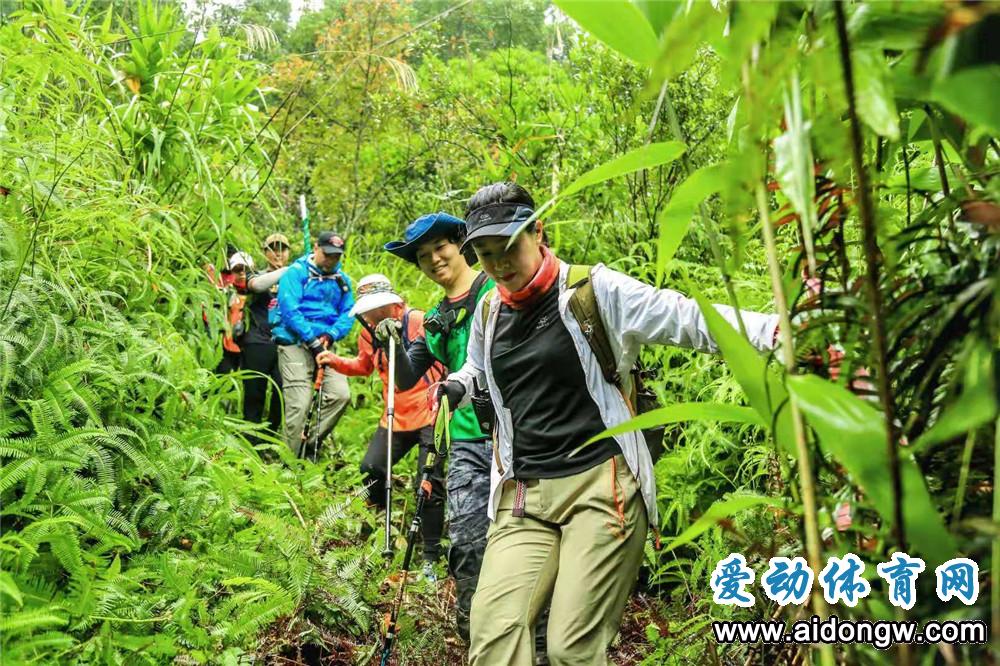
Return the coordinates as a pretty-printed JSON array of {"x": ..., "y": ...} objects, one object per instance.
[{"x": 433, "y": 244}]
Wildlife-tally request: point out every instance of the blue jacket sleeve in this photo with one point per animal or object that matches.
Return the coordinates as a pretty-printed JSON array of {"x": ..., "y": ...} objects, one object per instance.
[
  {"x": 289, "y": 297},
  {"x": 345, "y": 321}
]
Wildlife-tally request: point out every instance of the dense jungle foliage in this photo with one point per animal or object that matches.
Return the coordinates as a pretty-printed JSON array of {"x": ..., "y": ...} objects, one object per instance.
[{"x": 836, "y": 163}]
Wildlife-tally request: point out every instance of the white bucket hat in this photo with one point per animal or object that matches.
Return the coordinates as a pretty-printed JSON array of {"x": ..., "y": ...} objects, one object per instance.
[
  {"x": 374, "y": 291},
  {"x": 240, "y": 259}
]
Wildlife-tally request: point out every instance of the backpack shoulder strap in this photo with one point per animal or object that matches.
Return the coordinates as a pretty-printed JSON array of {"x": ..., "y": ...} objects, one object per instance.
[{"x": 583, "y": 305}]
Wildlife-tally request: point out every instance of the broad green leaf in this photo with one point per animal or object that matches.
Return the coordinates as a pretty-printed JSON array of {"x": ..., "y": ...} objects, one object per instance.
[
  {"x": 876, "y": 105},
  {"x": 646, "y": 157},
  {"x": 676, "y": 216},
  {"x": 762, "y": 385},
  {"x": 618, "y": 23},
  {"x": 853, "y": 432},
  {"x": 684, "y": 411},
  {"x": 748, "y": 24},
  {"x": 976, "y": 407},
  {"x": 718, "y": 511},
  {"x": 893, "y": 25},
  {"x": 658, "y": 12},
  {"x": 685, "y": 34},
  {"x": 974, "y": 94}
]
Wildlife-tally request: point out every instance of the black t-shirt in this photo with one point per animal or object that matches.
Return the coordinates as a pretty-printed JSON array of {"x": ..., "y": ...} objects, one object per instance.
[
  {"x": 538, "y": 372},
  {"x": 257, "y": 306}
]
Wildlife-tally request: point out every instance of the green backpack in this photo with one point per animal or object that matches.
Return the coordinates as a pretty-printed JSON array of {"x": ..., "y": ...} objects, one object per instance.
[{"x": 583, "y": 305}]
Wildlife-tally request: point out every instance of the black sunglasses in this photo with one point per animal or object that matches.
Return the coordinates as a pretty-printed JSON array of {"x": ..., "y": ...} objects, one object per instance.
[{"x": 277, "y": 247}]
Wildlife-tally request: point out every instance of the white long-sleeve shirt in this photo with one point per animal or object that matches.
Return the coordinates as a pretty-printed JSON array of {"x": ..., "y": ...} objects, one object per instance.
[{"x": 634, "y": 314}]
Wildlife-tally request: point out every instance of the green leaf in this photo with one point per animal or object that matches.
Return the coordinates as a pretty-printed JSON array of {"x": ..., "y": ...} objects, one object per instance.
[
  {"x": 896, "y": 26},
  {"x": 793, "y": 165},
  {"x": 747, "y": 24},
  {"x": 646, "y": 157},
  {"x": 718, "y": 511},
  {"x": 618, "y": 23},
  {"x": 853, "y": 432},
  {"x": 9, "y": 587},
  {"x": 683, "y": 411},
  {"x": 762, "y": 385},
  {"x": 675, "y": 217},
  {"x": 686, "y": 33},
  {"x": 974, "y": 94},
  {"x": 976, "y": 407},
  {"x": 876, "y": 106},
  {"x": 658, "y": 12}
]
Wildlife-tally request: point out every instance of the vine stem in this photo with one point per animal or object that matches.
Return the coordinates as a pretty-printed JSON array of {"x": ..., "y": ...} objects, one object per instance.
[{"x": 871, "y": 251}]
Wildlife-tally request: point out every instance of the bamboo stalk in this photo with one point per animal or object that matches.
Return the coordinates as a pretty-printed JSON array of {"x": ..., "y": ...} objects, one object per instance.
[
  {"x": 806, "y": 485},
  {"x": 963, "y": 478},
  {"x": 871, "y": 252}
]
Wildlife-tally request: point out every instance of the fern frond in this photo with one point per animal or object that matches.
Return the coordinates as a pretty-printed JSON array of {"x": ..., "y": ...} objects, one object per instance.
[{"x": 22, "y": 622}]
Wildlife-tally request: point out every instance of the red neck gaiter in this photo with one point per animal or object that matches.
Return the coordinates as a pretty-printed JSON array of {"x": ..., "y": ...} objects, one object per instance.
[{"x": 543, "y": 280}]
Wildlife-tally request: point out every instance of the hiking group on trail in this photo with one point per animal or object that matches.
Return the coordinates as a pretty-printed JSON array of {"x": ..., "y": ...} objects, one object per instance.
[{"x": 536, "y": 357}]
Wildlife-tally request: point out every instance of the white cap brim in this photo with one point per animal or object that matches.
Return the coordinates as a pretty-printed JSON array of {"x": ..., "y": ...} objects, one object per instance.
[
  {"x": 240, "y": 259},
  {"x": 370, "y": 302}
]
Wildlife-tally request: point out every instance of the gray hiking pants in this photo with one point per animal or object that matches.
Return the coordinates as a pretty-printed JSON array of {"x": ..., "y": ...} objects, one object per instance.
[
  {"x": 298, "y": 371},
  {"x": 468, "y": 494}
]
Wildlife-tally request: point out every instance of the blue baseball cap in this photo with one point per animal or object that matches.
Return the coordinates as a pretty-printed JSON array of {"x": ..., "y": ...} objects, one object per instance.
[{"x": 422, "y": 229}]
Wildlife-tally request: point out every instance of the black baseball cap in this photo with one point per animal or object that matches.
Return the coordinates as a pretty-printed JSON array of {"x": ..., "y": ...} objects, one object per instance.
[
  {"x": 330, "y": 243},
  {"x": 496, "y": 219}
]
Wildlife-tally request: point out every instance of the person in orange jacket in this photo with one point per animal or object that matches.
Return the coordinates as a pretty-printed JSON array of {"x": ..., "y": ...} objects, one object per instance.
[{"x": 413, "y": 419}]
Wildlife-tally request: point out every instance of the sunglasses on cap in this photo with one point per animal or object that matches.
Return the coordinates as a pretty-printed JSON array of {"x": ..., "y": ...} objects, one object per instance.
[{"x": 375, "y": 288}]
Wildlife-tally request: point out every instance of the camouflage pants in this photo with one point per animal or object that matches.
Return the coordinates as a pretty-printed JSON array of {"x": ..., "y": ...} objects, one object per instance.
[{"x": 468, "y": 495}]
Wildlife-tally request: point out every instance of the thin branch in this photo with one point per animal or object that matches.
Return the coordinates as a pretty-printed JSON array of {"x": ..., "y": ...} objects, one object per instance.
[{"x": 862, "y": 195}]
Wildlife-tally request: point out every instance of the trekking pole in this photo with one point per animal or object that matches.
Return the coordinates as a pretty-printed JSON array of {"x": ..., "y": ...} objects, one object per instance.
[
  {"x": 318, "y": 397},
  {"x": 442, "y": 442},
  {"x": 311, "y": 428},
  {"x": 390, "y": 412},
  {"x": 307, "y": 241}
]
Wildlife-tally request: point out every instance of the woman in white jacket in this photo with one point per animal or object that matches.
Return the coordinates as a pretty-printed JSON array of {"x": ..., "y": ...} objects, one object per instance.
[{"x": 567, "y": 529}]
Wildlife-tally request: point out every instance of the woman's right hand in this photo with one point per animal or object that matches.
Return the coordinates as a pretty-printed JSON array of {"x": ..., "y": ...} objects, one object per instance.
[{"x": 326, "y": 358}]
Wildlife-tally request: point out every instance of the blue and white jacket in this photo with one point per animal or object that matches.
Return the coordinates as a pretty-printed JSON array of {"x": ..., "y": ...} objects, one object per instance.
[{"x": 312, "y": 303}]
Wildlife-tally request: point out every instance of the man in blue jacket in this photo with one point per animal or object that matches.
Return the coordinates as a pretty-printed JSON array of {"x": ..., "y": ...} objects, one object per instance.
[{"x": 314, "y": 311}]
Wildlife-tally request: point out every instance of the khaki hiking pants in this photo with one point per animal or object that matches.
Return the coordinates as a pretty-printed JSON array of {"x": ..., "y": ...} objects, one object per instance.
[
  {"x": 578, "y": 544},
  {"x": 298, "y": 371}
]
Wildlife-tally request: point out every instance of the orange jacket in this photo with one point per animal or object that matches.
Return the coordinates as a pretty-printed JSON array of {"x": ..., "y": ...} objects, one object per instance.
[{"x": 412, "y": 409}]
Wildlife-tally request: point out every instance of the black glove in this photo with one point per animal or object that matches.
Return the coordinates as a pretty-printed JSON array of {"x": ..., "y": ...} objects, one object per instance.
[
  {"x": 316, "y": 346},
  {"x": 455, "y": 392},
  {"x": 388, "y": 327}
]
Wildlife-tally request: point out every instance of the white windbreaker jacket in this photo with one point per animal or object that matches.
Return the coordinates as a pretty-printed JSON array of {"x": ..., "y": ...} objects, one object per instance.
[{"x": 634, "y": 314}]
